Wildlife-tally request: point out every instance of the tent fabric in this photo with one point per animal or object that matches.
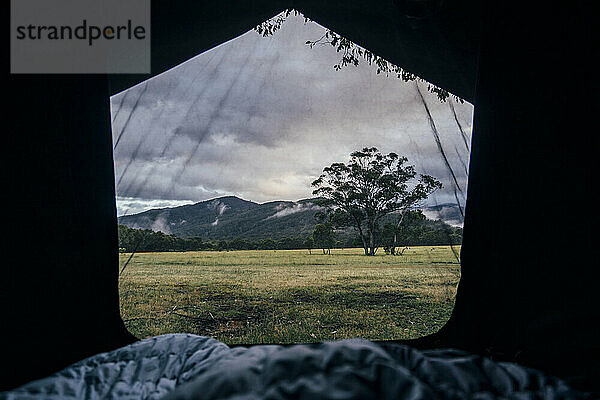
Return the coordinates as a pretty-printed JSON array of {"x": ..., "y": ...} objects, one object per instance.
[
  {"x": 185, "y": 366},
  {"x": 533, "y": 304}
]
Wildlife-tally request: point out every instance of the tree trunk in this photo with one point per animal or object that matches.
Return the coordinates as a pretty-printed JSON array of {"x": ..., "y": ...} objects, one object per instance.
[
  {"x": 364, "y": 241},
  {"x": 362, "y": 236}
]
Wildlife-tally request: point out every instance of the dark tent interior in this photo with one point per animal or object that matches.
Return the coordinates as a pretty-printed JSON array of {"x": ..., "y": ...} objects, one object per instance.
[{"x": 522, "y": 67}]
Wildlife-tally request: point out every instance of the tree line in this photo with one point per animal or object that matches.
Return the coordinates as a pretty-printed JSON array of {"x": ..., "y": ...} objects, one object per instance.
[{"x": 417, "y": 232}]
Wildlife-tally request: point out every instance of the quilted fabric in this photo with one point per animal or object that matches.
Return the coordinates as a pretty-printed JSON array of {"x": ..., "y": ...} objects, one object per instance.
[
  {"x": 180, "y": 366},
  {"x": 147, "y": 369}
]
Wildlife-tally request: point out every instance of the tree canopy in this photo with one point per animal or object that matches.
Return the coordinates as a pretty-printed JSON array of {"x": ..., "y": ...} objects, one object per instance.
[{"x": 369, "y": 187}]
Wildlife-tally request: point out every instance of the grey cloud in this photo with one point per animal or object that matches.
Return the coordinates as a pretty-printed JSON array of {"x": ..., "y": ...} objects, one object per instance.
[{"x": 260, "y": 118}]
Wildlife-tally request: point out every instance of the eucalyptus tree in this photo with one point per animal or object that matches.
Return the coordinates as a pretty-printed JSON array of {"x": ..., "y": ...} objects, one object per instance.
[{"x": 371, "y": 186}]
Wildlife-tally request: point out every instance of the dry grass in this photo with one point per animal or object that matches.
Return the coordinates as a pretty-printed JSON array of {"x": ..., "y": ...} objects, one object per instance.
[{"x": 287, "y": 296}]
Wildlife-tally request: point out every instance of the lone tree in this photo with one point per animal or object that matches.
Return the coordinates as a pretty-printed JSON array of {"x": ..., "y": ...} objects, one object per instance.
[{"x": 371, "y": 186}]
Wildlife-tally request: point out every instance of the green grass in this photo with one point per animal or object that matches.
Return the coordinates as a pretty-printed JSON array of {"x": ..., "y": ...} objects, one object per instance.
[{"x": 289, "y": 296}]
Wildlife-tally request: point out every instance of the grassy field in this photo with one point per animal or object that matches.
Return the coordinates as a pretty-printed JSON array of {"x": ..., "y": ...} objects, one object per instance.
[{"x": 287, "y": 296}]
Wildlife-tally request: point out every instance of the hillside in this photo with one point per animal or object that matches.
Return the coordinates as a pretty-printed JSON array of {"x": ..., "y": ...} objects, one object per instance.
[
  {"x": 231, "y": 217},
  {"x": 228, "y": 217}
]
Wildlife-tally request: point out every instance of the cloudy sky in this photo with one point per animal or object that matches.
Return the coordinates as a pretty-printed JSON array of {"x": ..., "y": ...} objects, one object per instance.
[{"x": 259, "y": 118}]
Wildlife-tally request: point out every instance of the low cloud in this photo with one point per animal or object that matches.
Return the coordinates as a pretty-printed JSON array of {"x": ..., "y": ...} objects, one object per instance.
[
  {"x": 218, "y": 206},
  {"x": 131, "y": 205},
  {"x": 160, "y": 224},
  {"x": 284, "y": 211}
]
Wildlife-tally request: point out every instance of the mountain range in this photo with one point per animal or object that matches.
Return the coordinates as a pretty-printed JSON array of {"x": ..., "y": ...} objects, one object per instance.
[{"x": 231, "y": 217}]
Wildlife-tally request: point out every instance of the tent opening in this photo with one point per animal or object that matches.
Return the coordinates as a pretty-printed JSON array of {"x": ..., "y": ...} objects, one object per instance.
[{"x": 289, "y": 186}]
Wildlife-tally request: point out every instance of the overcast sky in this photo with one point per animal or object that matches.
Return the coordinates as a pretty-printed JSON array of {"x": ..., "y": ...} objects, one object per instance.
[{"x": 259, "y": 118}]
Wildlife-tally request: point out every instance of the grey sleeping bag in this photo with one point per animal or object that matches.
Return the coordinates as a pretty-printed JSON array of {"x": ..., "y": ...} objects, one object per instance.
[{"x": 182, "y": 366}]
